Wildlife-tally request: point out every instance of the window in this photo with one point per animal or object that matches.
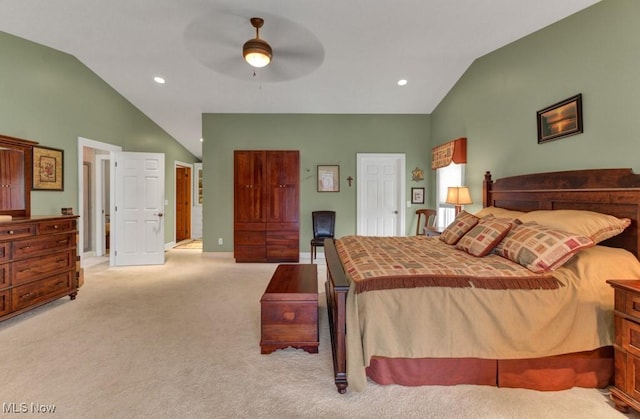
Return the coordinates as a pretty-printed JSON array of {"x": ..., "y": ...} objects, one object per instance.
[{"x": 451, "y": 175}]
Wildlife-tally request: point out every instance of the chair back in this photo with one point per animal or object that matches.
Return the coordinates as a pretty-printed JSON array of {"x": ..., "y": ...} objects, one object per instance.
[
  {"x": 324, "y": 223},
  {"x": 429, "y": 220}
]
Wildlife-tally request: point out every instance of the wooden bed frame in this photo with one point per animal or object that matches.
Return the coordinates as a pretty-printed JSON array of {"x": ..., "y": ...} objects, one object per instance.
[{"x": 609, "y": 191}]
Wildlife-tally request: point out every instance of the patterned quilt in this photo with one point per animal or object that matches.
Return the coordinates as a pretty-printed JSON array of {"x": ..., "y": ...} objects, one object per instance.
[{"x": 377, "y": 263}]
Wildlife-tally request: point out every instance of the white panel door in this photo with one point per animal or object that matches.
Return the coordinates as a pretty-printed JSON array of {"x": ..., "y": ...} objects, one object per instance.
[
  {"x": 139, "y": 209},
  {"x": 381, "y": 193}
]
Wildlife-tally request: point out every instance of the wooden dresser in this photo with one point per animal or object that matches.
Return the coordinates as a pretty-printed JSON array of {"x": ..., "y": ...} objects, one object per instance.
[
  {"x": 37, "y": 262},
  {"x": 626, "y": 392}
]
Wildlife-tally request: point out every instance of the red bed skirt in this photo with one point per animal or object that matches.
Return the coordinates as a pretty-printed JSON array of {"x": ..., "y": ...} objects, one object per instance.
[{"x": 591, "y": 369}]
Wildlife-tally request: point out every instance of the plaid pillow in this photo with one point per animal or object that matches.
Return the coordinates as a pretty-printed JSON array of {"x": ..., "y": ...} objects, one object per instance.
[
  {"x": 596, "y": 226},
  {"x": 539, "y": 248},
  {"x": 486, "y": 235},
  {"x": 459, "y": 227}
]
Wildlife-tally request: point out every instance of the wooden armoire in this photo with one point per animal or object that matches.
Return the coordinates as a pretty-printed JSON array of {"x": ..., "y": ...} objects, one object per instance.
[{"x": 266, "y": 206}]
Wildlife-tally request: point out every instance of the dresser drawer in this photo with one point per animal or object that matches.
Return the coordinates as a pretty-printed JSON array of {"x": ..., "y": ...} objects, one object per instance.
[
  {"x": 16, "y": 231},
  {"x": 5, "y": 252},
  {"x": 5, "y": 275},
  {"x": 28, "y": 270},
  {"x": 41, "y": 291},
  {"x": 5, "y": 302},
  {"x": 56, "y": 226},
  {"x": 42, "y": 245}
]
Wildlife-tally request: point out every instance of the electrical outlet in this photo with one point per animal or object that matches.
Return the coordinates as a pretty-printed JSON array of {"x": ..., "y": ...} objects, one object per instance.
[{"x": 220, "y": 241}]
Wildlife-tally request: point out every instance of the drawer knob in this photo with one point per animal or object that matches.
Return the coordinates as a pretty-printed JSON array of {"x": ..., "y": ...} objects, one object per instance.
[
  {"x": 27, "y": 295},
  {"x": 11, "y": 232},
  {"x": 289, "y": 315}
]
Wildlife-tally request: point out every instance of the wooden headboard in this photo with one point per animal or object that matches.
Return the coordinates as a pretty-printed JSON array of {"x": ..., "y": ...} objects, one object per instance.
[{"x": 608, "y": 191}]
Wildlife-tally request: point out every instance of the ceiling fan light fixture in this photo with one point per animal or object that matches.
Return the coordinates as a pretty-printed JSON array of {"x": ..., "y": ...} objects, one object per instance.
[{"x": 257, "y": 52}]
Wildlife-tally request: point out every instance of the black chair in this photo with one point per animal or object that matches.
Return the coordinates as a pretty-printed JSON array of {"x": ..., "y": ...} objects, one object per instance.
[{"x": 324, "y": 223}]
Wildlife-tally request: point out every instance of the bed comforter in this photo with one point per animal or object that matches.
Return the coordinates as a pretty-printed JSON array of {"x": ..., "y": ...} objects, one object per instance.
[{"x": 470, "y": 321}]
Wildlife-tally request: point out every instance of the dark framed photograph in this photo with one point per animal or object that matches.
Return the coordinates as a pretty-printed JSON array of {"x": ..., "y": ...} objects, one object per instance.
[
  {"x": 560, "y": 120},
  {"x": 328, "y": 178},
  {"x": 417, "y": 195},
  {"x": 48, "y": 166}
]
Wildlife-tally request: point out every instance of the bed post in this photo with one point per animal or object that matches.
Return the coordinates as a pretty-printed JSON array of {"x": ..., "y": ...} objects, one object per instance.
[
  {"x": 337, "y": 286},
  {"x": 486, "y": 190}
]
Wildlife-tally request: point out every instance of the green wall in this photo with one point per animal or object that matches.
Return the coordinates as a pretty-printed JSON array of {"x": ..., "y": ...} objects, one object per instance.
[
  {"x": 321, "y": 139},
  {"x": 595, "y": 52},
  {"x": 50, "y": 97}
]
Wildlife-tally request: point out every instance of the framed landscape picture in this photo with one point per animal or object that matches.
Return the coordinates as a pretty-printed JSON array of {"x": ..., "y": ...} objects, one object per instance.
[{"x": 560, "y": 120}]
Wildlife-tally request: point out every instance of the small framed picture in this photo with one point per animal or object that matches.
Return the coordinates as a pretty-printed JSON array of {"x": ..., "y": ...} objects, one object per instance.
[
  {"x": 417, "y": 195},
  {"x": 328, "y": 178},
  {"x": 48, "y": 166},
  {"x": 560, "y": 120}
]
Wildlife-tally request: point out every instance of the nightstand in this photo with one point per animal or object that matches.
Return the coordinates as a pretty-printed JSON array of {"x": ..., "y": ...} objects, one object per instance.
[{"x": 626, "y": 392}]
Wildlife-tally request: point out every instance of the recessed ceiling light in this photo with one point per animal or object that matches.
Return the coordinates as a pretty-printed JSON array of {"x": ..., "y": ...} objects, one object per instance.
[
  {"x": 402, "y": 82},
  {"x": 201, "y": 140},
  {"x": 159, "y": 80}
]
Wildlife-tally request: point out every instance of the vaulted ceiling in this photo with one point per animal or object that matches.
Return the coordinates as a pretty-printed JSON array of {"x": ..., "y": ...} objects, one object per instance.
[{"x": 329, "y": 56}]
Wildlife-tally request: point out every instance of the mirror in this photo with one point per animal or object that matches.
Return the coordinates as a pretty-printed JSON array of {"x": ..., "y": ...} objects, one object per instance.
[{"x": 16, "y": 160}]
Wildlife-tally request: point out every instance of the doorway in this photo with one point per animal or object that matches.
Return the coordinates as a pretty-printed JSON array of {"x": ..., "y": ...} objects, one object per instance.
[
  {"x": 93, "y": 156},
  {"x": 184, "y": 185},
  {"x": 381, "y": 194}
]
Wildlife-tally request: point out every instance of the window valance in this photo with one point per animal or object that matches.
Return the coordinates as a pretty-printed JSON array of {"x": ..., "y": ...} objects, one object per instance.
[{"x": 453, "y": 151}]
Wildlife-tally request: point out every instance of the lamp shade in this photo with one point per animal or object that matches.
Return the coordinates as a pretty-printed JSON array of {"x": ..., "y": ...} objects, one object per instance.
[{"x": 458, "y": 195}]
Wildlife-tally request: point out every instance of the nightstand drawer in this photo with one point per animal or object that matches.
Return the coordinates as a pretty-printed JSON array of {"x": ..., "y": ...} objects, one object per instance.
[
  {"x": 630, "y": 337},
  {"x": 632, "y": 305}
]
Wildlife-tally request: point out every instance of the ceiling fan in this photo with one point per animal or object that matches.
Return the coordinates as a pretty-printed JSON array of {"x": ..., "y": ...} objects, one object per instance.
[{"x": 219, "y": 41}]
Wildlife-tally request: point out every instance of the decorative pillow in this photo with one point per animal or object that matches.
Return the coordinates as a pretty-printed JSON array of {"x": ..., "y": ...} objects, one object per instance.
[
  {"x": 482, "y": 238},
  {"x": 459, "y": 227},
  {"x": 596, "y": 226},
  {"x": 498, "y": 212},
  {"x": 540, "y": 248}
]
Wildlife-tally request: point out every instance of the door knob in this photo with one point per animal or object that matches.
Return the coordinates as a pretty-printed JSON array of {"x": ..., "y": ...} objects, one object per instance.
[{"x": 395, "y": 212}]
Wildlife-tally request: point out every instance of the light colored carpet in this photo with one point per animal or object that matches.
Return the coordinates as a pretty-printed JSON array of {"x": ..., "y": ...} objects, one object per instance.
[
  {"x": 182, "y": 340},
  {"x": 189, "y": 244}
]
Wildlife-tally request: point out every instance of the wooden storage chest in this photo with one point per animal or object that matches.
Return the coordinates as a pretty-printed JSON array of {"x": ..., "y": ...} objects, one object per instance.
[{"x": 289, "y": 309}]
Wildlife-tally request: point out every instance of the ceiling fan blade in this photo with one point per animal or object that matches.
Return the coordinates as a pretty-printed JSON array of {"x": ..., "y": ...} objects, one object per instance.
[{"x": 216, "y": 39}]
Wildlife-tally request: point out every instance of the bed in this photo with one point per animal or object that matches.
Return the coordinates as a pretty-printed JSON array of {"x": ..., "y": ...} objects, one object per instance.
[{"x": 551, "y": 331}]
